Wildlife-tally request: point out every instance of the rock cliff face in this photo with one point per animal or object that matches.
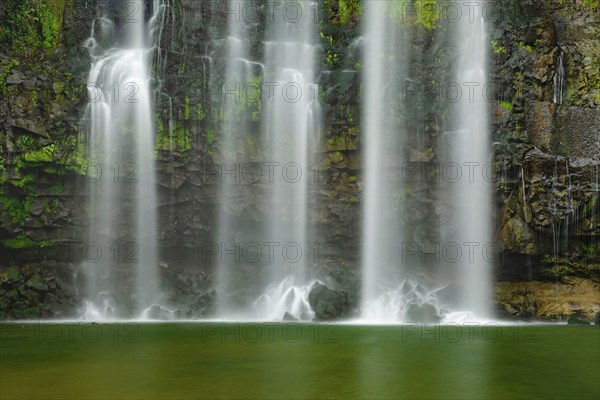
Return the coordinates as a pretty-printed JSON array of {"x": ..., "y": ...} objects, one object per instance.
[
  {"x": 547, "y": 129},
  {"x": 545, "y": 70}
]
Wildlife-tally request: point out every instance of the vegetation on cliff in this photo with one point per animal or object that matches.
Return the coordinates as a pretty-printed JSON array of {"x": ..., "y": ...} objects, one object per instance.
[{"x": 31, "y": 27}]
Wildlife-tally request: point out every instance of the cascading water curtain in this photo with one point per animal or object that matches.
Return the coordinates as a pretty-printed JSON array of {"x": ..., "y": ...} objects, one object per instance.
[
  {"x": 384, "y": 70},
  {"x": 406, "y": 276},
  {"x": 270, "y": 112},
  {"x": 472, "y": 192},
  {"x": 120, "y": 263},
  {"x": 233, "y": 302},
  {"x": 290, "y": 104}
]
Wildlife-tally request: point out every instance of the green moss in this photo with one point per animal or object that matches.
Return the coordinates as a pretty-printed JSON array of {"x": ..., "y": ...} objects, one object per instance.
[
  {"x": 50, "y": 208},
  {"x": 187, "y": 108},
  {"x": 210, "y": 136},
  {"x": 3, "y": 176},
  {"x": 24, "y": 242},
  {"x": 518, "y": 83},
  {"x": 20, "y": 242},
  {"x": 506, "y": 105},
  {"x": 23, "y": 181},
  {"x": 5, "y": 69},
  {"x": 179, "y": 141},
  {"x": 347, "y": 10},
  {"x": 497, "y": 48},
  {"x": 74, "y": 158},
  {"x": 352, "y": 179},
  {"x": 34, "y": 99},
  {"x": 427, "y": 12},
  {"x": 588, "y": 250},
  {"x": 584, "y": 88},
  {"x": 50, "y": 29},
  {"x": 65, "y": 154},
  {"x": 24, "y": 141},
  {"x": 159, "y": 124},
  {"x": 340, "y": 142},
  {"x": 526, "y": 47},
  {"x": 592, "y": 4},
  {"x": 31, "y": 26},
  {"x": 17, "y": 208},
  {"x": 58, "y": 188},
  {"x": 45, "y": 154},
  {"x": 351, "y": 117},
  {"x": 420, "y": 12},
  {"x": 333, "y": 58},
  {"x": 563, "y": 267}
]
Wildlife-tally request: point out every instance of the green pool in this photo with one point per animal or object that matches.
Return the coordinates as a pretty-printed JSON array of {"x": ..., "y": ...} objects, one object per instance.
[{"x": 269, "y": 360}]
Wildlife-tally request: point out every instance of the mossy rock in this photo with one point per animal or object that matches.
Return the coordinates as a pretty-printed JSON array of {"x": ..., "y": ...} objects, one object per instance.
[
  {"x": 12, "y": 274},
  {"x": 37, "y": 283},
  {"x": 328, "y": 304}
]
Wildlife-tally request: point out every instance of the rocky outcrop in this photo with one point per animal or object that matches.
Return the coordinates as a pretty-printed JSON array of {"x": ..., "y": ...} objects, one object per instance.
[
  {"x": 548, "y": 301},
  {"x": 189, "y": 295},
  {"x": 41, "y": 106},
  {"x": 547, "y": 141},
  {"x": 38, "y": 291},
  {"x": 329, "y": 304}
]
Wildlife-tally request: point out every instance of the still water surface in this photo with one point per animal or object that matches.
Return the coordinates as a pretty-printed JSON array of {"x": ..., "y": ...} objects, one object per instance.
[{"x": 269, "y": 360}]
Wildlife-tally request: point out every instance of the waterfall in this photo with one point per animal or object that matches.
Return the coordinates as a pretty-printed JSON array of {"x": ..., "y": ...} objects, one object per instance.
[
  {"x": 382, "y": 230},
  {"x": 395, "y": 286},
  {"x": 288, "y": 126},
  {"x": 559, "y": 80},
  {"x": 120, "y": 254},
  {"x": 236, "y": 126},
  {"x": 287, "y": 112},
  {"x": 472, "y": 194},
  {"x": 269, "y": 118}
]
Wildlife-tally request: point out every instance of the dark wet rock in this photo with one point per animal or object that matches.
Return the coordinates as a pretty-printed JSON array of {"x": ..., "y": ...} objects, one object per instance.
[
  {"x": 10, "y": 275},
  {"x": 328, "y": 304},
  {"x": 290, "y": 317},
  {"x": 37, "y": 291},
  {"x": 37, "y": 283},
  {"x": 157, "y": 312},
  {"x": 424, "y": 313},
  {"x": 344, "y": 279},
  {"x": 191, "y": 294},
  {"x": 15, "y": 78},
  {"x": 553, "y": 182}
]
